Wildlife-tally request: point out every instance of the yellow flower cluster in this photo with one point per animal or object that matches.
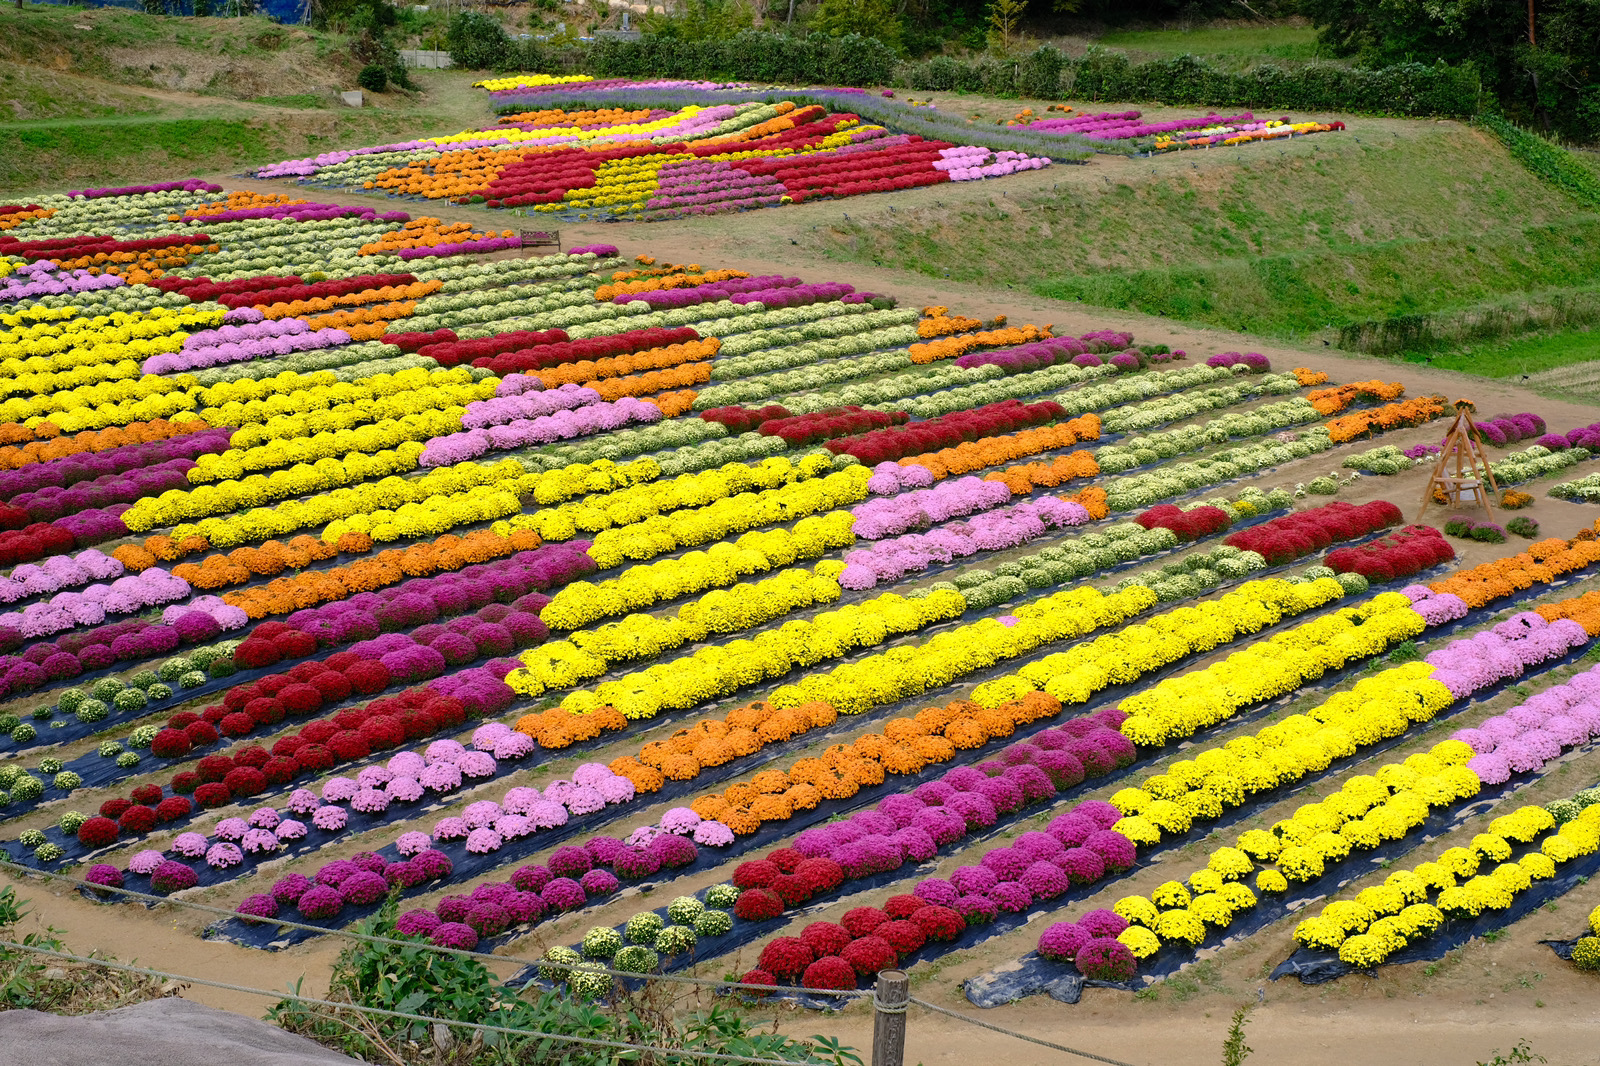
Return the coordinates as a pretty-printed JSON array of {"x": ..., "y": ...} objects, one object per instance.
[
  {"x": 64, "y": 351},
  {"x": 1366, "y": 811},
  {"x": 387, "y": 510},
  {"x": 1074, "y": 676},
  {"x": 401, "y": 433},
  {"x": 1382, "y": 919},
  {"x": 640, "y": 636},
  {"x": 658, "y": 534},
  {"x": 1201, "y": 788},
  {"x": 724, "y": 563},
  {"x": 718, "y": 670},
  {"x": 622, "y": 183},
  {"x": 517, "y": 81},
  {"x": 633, "y": 504},
  {"x": 602, "y": 475},
  {"x": 1180, "y": 706},
  {"x": 320, "y": 402}
]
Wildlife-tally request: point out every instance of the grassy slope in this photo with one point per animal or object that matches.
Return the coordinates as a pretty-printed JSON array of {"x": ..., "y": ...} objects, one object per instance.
[
  {"x": 1285, "y": 238},
  {"x": 1257, "y": 42},
  {"x": 106, "y": 95}
]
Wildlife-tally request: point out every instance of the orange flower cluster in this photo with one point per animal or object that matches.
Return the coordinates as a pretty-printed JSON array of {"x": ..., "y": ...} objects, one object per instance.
[
  {"x": 1413, "y": 412},
  {"x": 1307, "y": 377},
  {"x": 555, "y": 116},
  {"x": 364, "y": 323},
  {"x": 244, "y": 564},
  {"x": 905, "y": 746},
  {"x": 555, "y": 729},
  {"x": 17, "y": 218},
  {"x": 426, "y": 231},
  {"x": 457, "y": 173},
  {"x": 136, "y": 268},
  {"x": 589, "y": 371},
  {"x": 1584, "y": 610},
  {"x": 627, "y": 282},
  {"x": 90, "y": 440},
  {"x": 1333, "y": 400},
  {"x": 942, "y": 324},
  {"x": 1094, "y": 500},
  {"x": 984, "y": 452},
  {"x": 673, "y": 404},
  {"x": 713, "y": 742},
  {"x": 1512, "y": 500},
  {"x": 1023, "y": 479},
  {"x": 951, "y": 347},
  {"x": 238, "y": 201},
  {"x": 383, "y": 294},
  {"x": 314, "y": 587},
  {"x": 1541, "y": 562},
  {"x": 652, "y": 381}
]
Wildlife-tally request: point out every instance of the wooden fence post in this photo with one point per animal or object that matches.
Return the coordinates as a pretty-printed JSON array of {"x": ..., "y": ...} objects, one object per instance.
[{"x": 889, "y": 1000}]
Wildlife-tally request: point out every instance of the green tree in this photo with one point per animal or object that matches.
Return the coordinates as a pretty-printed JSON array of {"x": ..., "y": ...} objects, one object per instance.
[{"x": 867, "y": 18}]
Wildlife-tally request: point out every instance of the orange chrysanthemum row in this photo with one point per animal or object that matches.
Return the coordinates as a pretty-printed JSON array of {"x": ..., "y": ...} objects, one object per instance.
[
  {"x": 985, "y": 452},
  {"x": 54, "y": 446}
]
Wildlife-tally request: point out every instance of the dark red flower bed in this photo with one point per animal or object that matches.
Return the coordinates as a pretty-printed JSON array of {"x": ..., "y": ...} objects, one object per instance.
[
  {"x": 1293, "y": 536},
  {"x": 314, "y": 290},
  {"x": 78, "y": 247},
  {"x": 946, "y": 431},
  {"x": 744, "y": 419},
  {"x": 535, "y": 355},
  {"x": 199, "y": 289},
  {"x": 1402, "y": 554},
  {"x": 1189, "y": 525},
  {"x": 801, "y": 430}
]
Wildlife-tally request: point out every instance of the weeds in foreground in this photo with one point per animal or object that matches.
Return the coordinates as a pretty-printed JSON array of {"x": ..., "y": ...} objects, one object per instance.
[
  {"x": 30, "y": 981},
  {"x": 662, "y": 1024}
]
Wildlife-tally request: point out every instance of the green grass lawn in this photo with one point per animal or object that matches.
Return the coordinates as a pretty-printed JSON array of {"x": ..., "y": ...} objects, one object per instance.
[
  {"x": 1529, "y": 355},
  {"x": 1388, "y": 218},
  {"x": 1265, "y": 42}
]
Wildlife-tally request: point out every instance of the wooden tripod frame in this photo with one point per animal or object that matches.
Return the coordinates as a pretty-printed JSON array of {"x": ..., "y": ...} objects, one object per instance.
[{"x": 1462, "y": 449}]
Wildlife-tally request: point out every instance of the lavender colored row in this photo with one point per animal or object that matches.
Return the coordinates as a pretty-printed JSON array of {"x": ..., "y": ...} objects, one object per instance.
[
  {"x": 890, "y": 560},
  {"x": 563, "y": 425},
  {"x": 886, "y": 516}
]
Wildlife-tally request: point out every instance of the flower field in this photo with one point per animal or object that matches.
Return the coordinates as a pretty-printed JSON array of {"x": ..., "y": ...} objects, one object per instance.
[
  {"x": 342, "y": 564},
  {"x": 691, "y": 148}
]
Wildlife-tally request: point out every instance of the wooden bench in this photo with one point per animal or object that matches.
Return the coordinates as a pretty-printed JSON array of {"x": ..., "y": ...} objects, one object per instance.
[{"x": 541, "y": 238}]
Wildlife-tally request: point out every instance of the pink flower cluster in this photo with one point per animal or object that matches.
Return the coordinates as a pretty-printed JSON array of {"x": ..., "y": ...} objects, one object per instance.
[
  {"x": 1436, "y": 608},
  {"x": 523, "y": 399},
  {"x": 710, "y": 293},
  {"x": 563, "y": 425},
  {"x": 966, "y": 162},
  {"x": 475, "y": 247},
  {"x": 68, "y": 610},
  {"x": 1504, "y": 652},
  {"x": 187, "y": 185},
  {"x": 889, "y": 478},
  {"x": 44, "y": 278},
  {"x": 889, "y": 560},
  {"x": 876, "y": 519},
  {"x": 56, "y": 573},
  {"x": 240, "y": 343},
  {"x": 1526, "y": 737}
]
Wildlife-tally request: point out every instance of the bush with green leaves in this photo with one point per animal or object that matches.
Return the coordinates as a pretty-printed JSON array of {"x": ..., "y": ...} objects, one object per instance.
[
  {"x": 130, "y": 699},
  {"x": 722, "y": 897},
  {"x": 684, "y": 910},
  {"x": 128, "y": 760},
  {"x": 106, "y": 689},
  {"x": 675, "y": 940},
  {"x": 67, "y": 780},
  {"x": 643, "y": 928},
  {"x": 24, "y": 733},
  {"x": 142, "y": 736},
  {"x": 50, "y": 765},
  {"x": 70, "y": 822},
  {"x": 601, "y": 942},
  {"x": 91, "y": 711},
  {"x": 173, "y": 669},
  {"x": 636, "y": 958},
  {"x": 71, "y": 699}
]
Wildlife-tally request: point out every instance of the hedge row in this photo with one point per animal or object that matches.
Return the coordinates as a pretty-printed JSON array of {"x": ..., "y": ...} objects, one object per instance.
[{"x": 1045, "y": 73}]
